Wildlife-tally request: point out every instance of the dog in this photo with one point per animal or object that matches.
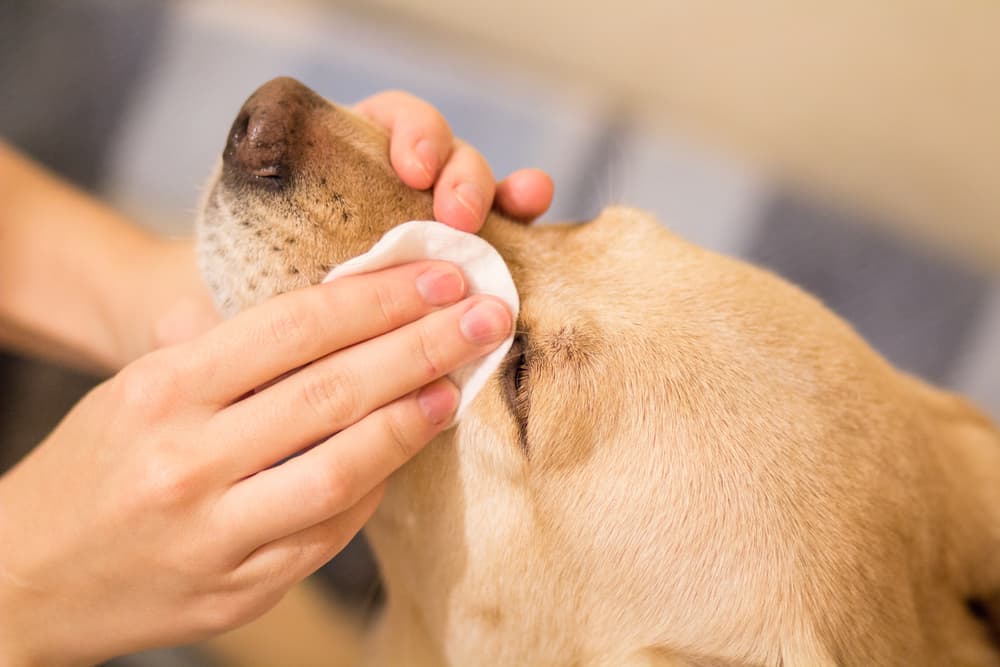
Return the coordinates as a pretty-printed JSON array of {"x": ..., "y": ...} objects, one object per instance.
[{"x": 685, "y": 460}]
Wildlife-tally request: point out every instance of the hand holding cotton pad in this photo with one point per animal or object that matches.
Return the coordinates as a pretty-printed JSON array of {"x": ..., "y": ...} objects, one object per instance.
[{"x": 485, "y": 273}]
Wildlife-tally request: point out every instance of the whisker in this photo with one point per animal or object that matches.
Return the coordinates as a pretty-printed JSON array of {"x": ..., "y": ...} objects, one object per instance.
[{"x": 510, "y": 356}]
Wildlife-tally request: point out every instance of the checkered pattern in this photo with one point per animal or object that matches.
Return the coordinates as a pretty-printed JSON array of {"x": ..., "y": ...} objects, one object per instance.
[{"x": 133, "y": 101}]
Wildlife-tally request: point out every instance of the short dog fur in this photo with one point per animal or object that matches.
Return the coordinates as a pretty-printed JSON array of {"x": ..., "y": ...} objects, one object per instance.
[{"x": 685, "y": 460}]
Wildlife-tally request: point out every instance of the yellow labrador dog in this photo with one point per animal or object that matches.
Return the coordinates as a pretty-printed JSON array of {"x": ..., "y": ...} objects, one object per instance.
[{"x": 685, "y": 460}]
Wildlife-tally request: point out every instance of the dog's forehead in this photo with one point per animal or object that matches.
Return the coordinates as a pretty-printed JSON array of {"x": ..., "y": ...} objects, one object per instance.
[{"x": 607, "y": 274}]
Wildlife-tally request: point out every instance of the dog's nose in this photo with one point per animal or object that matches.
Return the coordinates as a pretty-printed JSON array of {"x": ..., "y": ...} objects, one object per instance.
[{"x": 264, "y": 136}]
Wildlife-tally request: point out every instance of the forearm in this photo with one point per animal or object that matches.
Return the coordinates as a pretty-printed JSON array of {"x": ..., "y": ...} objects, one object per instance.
[{"x": 71, "y": 270}]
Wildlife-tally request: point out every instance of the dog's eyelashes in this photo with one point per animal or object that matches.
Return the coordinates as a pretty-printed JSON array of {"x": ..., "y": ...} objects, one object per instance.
[
  {"x": 516, "y": 376},
  {"x": 520, "y": 375}
]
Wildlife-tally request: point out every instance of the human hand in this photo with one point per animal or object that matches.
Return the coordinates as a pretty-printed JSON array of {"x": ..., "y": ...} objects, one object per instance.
[
  {"x": 160, "y": 512},
  {"x": 424, "y": 154}
]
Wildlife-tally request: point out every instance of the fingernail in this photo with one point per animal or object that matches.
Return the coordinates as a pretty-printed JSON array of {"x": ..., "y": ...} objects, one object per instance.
[
  {"x": 438, "y": 401},
  {"x": 440, "y": 286},
  {"x": 471, "y": 197},
  {"x": 427, "y": 158},
  {"x": 486, "y": 322}
]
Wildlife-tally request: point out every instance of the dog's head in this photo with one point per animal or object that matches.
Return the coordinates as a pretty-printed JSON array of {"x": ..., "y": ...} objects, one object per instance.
[
  {"x": 302, "y": 186},
  {"x": 666, "y": 459}
]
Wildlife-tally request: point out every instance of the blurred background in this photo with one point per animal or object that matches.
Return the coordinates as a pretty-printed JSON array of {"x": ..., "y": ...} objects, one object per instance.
[{"x": 853, "y": 147}]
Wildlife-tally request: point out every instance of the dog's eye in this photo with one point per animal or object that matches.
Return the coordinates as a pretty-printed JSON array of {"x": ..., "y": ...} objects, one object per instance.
[
  {"x": 520, "y": 375},
  {"x": 516, "y": 386},
  {"x": 517, "y": 375}
]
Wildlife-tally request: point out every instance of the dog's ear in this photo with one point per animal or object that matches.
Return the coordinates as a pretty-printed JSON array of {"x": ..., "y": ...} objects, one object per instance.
[{"x": 967, "y": 446}]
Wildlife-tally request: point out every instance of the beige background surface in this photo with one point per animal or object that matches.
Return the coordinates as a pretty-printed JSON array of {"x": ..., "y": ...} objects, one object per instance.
[{"x": 892, "y": 106}]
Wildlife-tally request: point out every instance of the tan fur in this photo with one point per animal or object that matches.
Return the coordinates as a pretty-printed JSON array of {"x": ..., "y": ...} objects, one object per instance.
[{"x": 704, "y": 465}]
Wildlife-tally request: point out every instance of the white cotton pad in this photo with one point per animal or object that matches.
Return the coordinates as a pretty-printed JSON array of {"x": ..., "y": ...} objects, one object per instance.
[{"x": 485, "y": 273}]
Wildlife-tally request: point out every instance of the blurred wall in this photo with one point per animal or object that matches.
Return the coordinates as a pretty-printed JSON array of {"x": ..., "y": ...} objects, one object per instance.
[
  {"x": 712, "y": 118},
  {"x": 893, "y": 105},
  {"x": 815, "y": 139}
]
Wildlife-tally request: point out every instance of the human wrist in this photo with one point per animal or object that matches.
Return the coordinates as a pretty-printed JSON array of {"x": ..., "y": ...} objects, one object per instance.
[
  {"x": 12, "y": 651},
  {"x": 39, "y": 622},
  {"x": 15, "y": 606},
  {"x": 162, "y": 273},
  {"x": 15, "y": 642},
  {"x": 17, "y": 650},
  {"x": 128, "y": 302}
]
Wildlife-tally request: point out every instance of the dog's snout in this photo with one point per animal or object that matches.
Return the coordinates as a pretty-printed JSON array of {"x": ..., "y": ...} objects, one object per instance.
[
  {"x": 264, "y": 137},
  {"x": 257, "y": 142}
]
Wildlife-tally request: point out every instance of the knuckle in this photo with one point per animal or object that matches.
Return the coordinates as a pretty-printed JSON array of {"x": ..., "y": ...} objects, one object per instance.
[
  {"x": 469, "y": 158},
  {"x": 390, "y": 303},
  {"x": 385, "y": 106},
  {"x": 395, "y": 96},
  {"x": 334, "y": 397},
  {"x": 437, "y": 120},
  {"x": 288, "y": 325},
  {"x": 411, "y": 101},
  {"x": 148, "y": 387},
  {"x": 421, "y": 115},
  {"x": 168, "y": 480},
  {"x": 429, "y": 353},
  {"x": 400, "y": 433},
  {"x": 332, "y": 489},
  {"x": 469, "y": 154}
]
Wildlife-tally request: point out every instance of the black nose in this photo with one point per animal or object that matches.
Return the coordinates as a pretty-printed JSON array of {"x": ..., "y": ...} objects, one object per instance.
[{"x": 265, "y": 137}]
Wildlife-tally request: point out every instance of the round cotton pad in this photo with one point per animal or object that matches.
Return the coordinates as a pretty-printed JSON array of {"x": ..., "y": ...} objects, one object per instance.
[{"x": 485, "y": 273}]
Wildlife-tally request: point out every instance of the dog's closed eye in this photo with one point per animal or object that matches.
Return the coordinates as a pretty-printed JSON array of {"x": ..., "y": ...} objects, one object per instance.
[{"x": 516, "y": 376}]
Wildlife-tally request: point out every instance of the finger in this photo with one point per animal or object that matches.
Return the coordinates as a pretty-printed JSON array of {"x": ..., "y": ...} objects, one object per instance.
[
  {"x": 286, "y": 561},
  {"x": 333, "y": 476},
  {"x": 525, "y": 195},
  {"x": 464, "y": 192},
  {"x": 337, "y": 391},
  {"x": 420, "y": 138},
  {"x": 293, "y": 329}
]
